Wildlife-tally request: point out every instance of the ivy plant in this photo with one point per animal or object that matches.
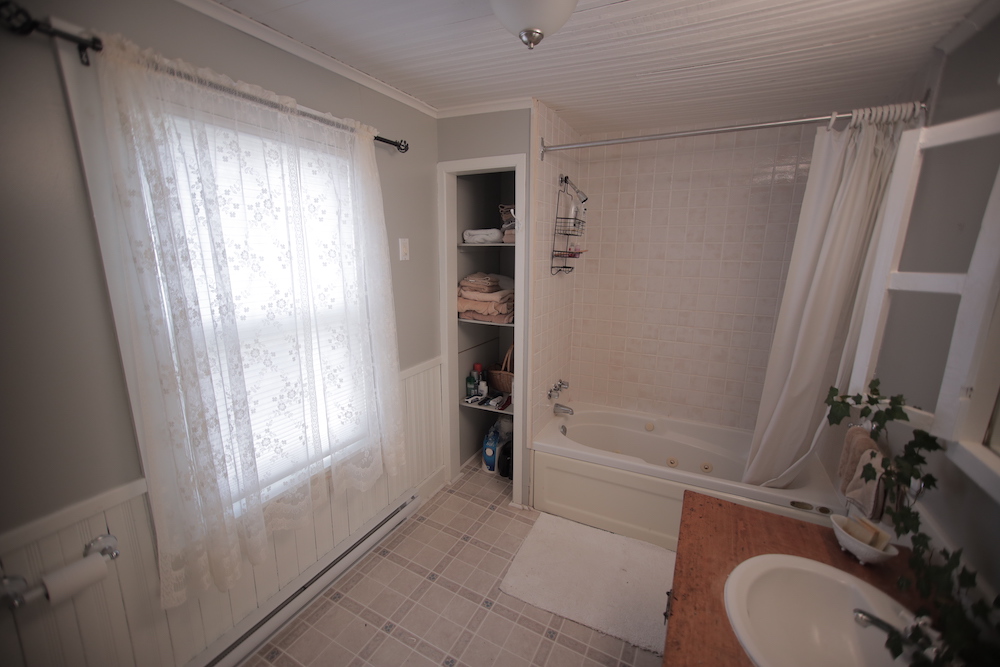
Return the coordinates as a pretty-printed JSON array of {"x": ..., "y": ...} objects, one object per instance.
[{"x": 959, "y": 627}]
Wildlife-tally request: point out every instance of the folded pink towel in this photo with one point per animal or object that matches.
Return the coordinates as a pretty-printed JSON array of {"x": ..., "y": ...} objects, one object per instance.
[
  {"x": 485, "y": 307},
  {"x": 479, "y": 282},
  {"x": 503, "y": 296},
  {"x": 479, "y": 317}
]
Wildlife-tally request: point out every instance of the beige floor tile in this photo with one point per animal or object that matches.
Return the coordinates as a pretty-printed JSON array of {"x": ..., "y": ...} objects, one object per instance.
[
  {"x": 436, "y": 598},
  {"x": 496, "y": 629},
  {"x": 459, "y": 610},
  {"x": 387, "y": 602},
  {"x": 522, "y": 642},
  {"x": 390, "y": 654},
  {"x": 480, "y": 653},
  {"x": 308, "y": 646},
  {"x": 419, "y": 620},
  {"x": 508, "y": 659},
  {"x": 563, "y": 657},
  {"x": 334, "y": 655},
  {"x": 430, "y": 624},
  {"x": 443, "y": 634},
  {"x": 356, "y": 635}
]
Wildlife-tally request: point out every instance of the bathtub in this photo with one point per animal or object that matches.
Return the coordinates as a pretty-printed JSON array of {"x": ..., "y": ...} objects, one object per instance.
[{"x": 627, "y": 472}]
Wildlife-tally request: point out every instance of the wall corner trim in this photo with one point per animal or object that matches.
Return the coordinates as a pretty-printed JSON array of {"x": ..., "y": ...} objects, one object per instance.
[{"x": 67, "y": 516}]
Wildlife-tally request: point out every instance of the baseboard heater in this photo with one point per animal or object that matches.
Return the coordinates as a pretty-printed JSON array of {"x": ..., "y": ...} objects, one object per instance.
[{"x": 228, "y": 651}]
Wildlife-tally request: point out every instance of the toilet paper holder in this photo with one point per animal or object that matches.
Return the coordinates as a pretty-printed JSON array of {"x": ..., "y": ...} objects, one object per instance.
[{"x": 14, "y": 590}]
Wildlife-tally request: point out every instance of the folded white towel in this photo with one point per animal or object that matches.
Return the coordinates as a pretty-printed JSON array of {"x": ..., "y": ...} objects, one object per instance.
[{"x": 482, "y": 236}]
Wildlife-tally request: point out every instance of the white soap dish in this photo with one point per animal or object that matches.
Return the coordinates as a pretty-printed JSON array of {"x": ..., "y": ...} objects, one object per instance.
[{"x": 865, "y": 553}]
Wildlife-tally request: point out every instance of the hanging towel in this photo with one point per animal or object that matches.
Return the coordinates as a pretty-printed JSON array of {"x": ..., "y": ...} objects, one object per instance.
[
  {"x": 856, "y": 442},
  {"x": 482, "y": 236},
  {"x": 868, "y": 495}
]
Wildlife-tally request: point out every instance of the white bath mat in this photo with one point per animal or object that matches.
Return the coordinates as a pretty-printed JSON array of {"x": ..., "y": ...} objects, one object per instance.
[{"x": 614, "y": 584}]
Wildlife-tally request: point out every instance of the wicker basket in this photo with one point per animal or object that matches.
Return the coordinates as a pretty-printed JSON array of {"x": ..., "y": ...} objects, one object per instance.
[{"x": 501, "y": 377}]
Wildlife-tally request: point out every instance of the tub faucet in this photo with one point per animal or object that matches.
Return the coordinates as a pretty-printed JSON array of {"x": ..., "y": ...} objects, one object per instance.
[
  {"x": 561, "y": 409},
  {"x": 556, "y": 388}
]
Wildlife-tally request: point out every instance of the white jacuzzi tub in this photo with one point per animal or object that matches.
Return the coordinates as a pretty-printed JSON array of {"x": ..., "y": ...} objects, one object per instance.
[{"x": 627, "y": 472}]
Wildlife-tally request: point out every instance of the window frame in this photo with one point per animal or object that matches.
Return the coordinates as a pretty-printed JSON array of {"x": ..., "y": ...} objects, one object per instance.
[{"x": 968, "y": 382}]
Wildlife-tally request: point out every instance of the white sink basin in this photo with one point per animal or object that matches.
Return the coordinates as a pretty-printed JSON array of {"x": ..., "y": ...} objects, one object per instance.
[{"x": 790, "y": 612}]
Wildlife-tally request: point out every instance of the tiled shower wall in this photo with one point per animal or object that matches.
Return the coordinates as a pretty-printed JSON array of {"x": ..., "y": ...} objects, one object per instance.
[
  {"x": 552, "y": 296},
  {"x": 688, "y": 245}
]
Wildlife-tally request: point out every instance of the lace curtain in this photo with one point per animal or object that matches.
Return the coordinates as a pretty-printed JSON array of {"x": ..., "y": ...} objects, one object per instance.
[{"x": 263, "y": 340}]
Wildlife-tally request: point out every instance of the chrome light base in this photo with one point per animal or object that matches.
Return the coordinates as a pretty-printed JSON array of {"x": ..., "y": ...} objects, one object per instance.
[{"x": 531, "y": 37}]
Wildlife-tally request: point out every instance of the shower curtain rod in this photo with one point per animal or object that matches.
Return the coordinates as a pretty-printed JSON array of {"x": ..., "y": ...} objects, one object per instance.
[
  {"x": 17, "y": 20},
  {"x": 715, "y": 130}
]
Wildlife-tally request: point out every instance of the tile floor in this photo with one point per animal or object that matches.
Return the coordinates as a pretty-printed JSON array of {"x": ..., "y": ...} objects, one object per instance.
[{"x": 429, "y": 595}]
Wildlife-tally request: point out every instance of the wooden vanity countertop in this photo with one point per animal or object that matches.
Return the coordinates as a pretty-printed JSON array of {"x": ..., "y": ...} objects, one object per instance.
[{"x": 715, "y": 536}]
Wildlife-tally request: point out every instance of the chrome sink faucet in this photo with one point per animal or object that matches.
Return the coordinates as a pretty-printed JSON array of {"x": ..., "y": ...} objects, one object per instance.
[{"x": 561, "y": 409}]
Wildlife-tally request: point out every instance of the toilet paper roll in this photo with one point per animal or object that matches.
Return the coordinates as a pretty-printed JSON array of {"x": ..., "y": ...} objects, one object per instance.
[{"x": 63, "y": 584}]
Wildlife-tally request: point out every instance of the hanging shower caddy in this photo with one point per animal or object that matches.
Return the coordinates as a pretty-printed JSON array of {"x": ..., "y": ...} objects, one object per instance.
[{"x": 569, "y": 227}]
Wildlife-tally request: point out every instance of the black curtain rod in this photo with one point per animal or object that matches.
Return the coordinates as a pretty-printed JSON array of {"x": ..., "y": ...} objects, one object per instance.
[{"x": 17, "y": 20}]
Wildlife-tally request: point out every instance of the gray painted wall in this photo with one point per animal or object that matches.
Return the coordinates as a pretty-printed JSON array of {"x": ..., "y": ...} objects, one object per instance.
[
  {"x": 66, "y": 431},
  {"x": 969, "y": 81},
  {"x": 484, "y": 135}
]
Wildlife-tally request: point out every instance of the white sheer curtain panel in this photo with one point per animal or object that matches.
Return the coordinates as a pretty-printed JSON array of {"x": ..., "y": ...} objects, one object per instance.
[
  {"x": 815, "y": 330},
  {"x": 261, "y": 351}
]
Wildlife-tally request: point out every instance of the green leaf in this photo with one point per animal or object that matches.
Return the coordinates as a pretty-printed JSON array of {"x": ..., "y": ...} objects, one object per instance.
[
  {"x": 831, "y": 396},
  {"x": 966, "y": 578},
  {"x": 838, "y": 411},
  {"x": 920, "y": 542}
]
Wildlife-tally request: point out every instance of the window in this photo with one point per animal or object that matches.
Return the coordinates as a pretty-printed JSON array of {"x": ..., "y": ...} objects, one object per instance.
[
  {"x": 247, "y": 261},
  {"x": 935, "y": 285}
]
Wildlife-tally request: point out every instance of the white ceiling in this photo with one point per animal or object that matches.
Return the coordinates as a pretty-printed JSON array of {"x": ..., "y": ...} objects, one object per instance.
[{"x": 634, "y": 65}]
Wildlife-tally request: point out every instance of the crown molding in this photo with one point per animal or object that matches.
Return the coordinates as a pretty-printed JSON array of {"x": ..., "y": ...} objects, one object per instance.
[{"x": 285, "y": 43}]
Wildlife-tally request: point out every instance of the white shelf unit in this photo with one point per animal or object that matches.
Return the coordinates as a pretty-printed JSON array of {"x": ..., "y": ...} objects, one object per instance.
[{"x": 470, "y": 193}]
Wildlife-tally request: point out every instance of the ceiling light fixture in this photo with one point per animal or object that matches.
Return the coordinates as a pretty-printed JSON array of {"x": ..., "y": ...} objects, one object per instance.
[{"x": 531, "y": 20}]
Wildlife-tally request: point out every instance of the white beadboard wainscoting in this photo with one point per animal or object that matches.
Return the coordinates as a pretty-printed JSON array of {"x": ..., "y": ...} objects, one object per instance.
[{"x": 119, "y": 621}]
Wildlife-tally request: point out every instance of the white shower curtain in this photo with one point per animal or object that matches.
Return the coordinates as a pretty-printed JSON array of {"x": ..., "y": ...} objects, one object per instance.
[{"x": 816, "y": 333}]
